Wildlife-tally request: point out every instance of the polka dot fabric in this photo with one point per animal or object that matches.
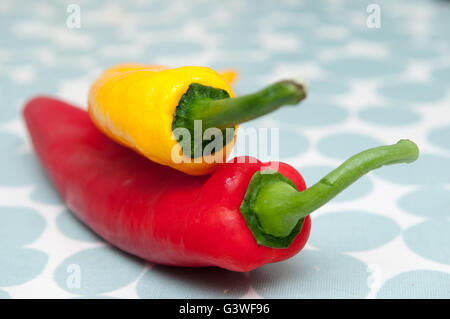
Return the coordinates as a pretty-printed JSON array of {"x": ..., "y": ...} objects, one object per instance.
[{"x": 387, "y": 236}]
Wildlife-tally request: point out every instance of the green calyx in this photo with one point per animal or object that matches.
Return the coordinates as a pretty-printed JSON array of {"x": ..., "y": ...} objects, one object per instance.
[
  {"x": 273, "y": 207},
  {"x": 259, "y": 182},
  {"x": 197, "y": 98},
  {"x": 203, "y": 107}
]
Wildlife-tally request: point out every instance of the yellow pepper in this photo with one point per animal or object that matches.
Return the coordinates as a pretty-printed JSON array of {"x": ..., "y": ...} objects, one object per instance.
[{"x": 135, "y": 105}]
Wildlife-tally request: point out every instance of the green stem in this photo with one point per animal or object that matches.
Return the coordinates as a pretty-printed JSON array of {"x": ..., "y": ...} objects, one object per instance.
[
  {"x": 217, "y": 110},
  {"x": 229, "y": 112},
  {"x": 213, "y": 108},
  {"x": 279, "y": 206}
]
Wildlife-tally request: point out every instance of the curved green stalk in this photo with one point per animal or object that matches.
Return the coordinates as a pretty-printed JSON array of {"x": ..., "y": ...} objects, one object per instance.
[
  {"x": 230, "y": 112},
  {"x": 278, "y": 206},
  {"x": 215, "y": 109}
]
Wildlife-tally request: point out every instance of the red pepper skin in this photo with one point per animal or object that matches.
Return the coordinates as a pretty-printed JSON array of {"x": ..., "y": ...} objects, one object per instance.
[{"x": 146, "y": 209}]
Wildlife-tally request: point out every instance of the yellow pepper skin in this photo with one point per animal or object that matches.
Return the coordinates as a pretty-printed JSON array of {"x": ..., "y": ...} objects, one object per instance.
[
  {"x": 230, "y": 75},
  {"x": 134, "y": 104}
]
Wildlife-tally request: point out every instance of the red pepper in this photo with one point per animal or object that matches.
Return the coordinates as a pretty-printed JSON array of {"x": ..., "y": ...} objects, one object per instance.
[
  {"x": 151, "y": 211},
  {"x": 168, "y": 217}
]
